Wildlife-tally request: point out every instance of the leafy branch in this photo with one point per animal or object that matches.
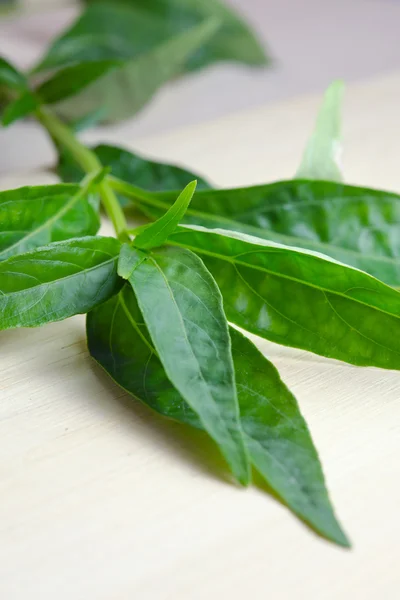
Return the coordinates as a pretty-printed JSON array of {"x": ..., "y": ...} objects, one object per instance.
[{"x": 311, "y": 263}]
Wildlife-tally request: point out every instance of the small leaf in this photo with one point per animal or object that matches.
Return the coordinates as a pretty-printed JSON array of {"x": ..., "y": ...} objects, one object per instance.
[
  {"x": 57, "y": 281},
  {"x": 182, "y": 308},
  {"x": 23, "y": 106},
  {"x": 357, "y": 226},
  {"x": 321, "y": 158},
  {"x": 301, "y": 298},
  {"x": 35, "y": 216},
  {"x": 276, "y": 434},
  {"x": 10, "y": 76},
  {"x": 157, "y": 233}
]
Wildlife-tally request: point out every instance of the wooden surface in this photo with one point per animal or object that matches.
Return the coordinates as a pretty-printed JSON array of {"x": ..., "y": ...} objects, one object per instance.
[{"x": 100, "y": 499}]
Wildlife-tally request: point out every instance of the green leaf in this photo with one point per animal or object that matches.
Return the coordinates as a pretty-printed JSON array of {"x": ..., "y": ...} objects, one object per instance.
[
  {"x": 10, "y": 76},
  {"x": 279, "y": 443},
  {"x": 126, "y": 28},
  {"x": 105, "y": 33},
  {"x": 57, "y": 281},
  {"x": 23, "y": 106},
  {"x": 157, "y": 233},
  {"x": 182, "y": 308},
  {"x": 301, "y": 298},
  {"x": 130, "y": 167},
  {"x": 357, "y": 226},
  {"x": 321, "y": 158},
  {"x": 35, "y": 216},
  {"x": 72, "y": 79}
]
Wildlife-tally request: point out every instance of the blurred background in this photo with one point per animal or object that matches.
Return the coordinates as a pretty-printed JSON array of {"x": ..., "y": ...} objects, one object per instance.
[{"x": 310, "y": 42}]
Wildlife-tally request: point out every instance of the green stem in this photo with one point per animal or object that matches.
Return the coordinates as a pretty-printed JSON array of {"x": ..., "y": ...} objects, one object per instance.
[{"x": 89, "y": 162}]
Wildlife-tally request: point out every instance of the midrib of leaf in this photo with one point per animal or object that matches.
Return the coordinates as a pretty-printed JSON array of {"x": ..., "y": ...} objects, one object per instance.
[
  {"x": 135, "y": 326},
  {"x": 236, "y": 225},
  {"x": 47, "y": 224},
  {"x": 234, "y": 262}
]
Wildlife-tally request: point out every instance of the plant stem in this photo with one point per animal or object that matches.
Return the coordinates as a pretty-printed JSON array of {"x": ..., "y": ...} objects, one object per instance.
[{"x": 89, "y": 162}]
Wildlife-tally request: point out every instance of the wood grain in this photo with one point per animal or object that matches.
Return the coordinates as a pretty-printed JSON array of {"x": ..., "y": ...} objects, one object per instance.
[{"x": 102, "y": 499}]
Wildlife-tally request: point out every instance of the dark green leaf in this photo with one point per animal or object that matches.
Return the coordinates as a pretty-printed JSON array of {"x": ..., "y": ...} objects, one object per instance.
[
  {"x": 321, "y": 158},
  {"x": 357, "y": 226},
  {"x": 300, "y": 298},
  {"x": 182, "y": 308},
  {"x": 10, "y": 76},
  {"x": 72, "y": 79},
  {"x": 23, "y": 106},
  {"x": 57, "y": 281},
  {"x": 143, "y": 68},
  {"x": 278, "y": 440},
  {"x": 35, "y": 216},
  {"x": 130, "y": 167},
  {"x": 157, "y": 233}
]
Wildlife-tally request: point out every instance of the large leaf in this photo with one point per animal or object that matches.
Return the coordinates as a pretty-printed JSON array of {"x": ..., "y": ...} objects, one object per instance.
[
  {"x": 35, "y": 216},
  {"x": 299, "y": 298},
  {"x": 182, "y": 308},
  {"x": 321, "y": 158},
  {"x": 105, "y": 33},
  {"x": 125, "y": 28},
  {"x": 276, "y": 434},
  {"x": 57, "y": 281},
  {"x": 135, "y": 169},
  {"x": 357, "y": 226},
  {"x": 157, "y": 233}
]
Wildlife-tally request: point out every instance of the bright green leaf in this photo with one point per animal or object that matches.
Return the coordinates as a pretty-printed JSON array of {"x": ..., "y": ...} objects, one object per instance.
[
  {"x": 35, "y": 216},
  {"x": 300, "y": 298},
  {"x": 57, "y": 281},
  {"x": 321, "y": 158},
  {"x": 182, "y": 308},
  {"x": 276, "y": 434},
  {"x": 357, "y": 226},
  {"x": 157, "y": 233}
]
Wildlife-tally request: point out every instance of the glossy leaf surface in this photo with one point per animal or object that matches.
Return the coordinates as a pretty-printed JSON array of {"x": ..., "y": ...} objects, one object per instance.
[
  {"x": 279, "y": 443},
  {"x": 357, "y": 226},
  {"x": 182, "y": 308},
  {"x": 57, "y": 281},
  {"x": 321, "y": 158},
  {"x": 157, "y": 233},
  {"x": 35, "y": 216},
  {"x": 302, "y": 299}
]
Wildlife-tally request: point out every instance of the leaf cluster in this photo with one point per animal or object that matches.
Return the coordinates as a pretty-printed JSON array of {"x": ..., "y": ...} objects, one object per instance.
[{"x": 311, "y": 263}]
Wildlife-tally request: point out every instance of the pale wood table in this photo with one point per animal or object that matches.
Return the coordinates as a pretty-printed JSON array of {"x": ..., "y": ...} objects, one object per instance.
[{"x": 102, "y": 500}]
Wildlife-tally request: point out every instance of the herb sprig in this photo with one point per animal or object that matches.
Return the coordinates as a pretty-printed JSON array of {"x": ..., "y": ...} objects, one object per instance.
[{"x": 310, "y": 263}]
